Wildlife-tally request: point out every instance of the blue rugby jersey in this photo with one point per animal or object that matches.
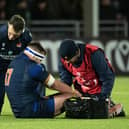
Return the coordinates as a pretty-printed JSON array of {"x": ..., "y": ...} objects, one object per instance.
[
  {"x": 10, "y": 48},
  {"x": 22, "y": 79}
]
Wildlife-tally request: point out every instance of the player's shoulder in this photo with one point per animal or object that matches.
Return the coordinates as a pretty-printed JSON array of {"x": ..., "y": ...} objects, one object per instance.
[
  {"x": 36, "y": 69},
  {"x": 3, "y": 27},
  {"x": 27, "y": 31},
  {"x": 3, "y": 30},
  {"x": 26, "y": 35}
]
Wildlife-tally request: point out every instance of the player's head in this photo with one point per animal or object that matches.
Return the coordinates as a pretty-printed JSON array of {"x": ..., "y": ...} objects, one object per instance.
[
  {"x": 35, "y": 51},
  {"x": 16, "y": 26},
  {"x": 69, "y": 50}
]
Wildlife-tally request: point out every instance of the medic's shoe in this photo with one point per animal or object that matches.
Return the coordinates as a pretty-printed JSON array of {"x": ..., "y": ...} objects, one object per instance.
[{"x": 116, "y": 110}]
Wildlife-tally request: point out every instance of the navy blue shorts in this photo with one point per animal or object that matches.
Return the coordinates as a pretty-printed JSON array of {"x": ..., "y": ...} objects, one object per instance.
[{"x": 44, "y": 108}]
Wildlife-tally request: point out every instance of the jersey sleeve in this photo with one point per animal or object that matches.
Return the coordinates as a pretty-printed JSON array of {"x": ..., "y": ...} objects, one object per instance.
[
  {"x": 105, "y": 74},
  {"x": 0, "y": 35},
  {"x": 3, "y": 32},
  {"x": 38, "y": 72},
  {"x": 65, "y": 75}
]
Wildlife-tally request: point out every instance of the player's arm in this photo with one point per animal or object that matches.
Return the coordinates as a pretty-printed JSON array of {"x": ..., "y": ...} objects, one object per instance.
[
  {"x": 39, "y": 72},
  {"x": 52, "y": 83},
  {"x": 65, "y": 76}
]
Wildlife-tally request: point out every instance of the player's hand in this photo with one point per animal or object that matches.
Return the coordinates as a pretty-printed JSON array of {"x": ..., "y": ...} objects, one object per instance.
[{"x": 76, "y": 93}]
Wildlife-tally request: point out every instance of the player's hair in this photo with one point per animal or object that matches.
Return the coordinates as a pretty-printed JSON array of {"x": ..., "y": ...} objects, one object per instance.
[
  {"x": 37, "y": 46},
  {"x": 18, "y": 23}
]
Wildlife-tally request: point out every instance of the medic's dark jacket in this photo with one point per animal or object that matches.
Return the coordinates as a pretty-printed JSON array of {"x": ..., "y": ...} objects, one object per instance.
[
  {"x": 10, "y": 48},
  {"x": 92, "y": 74}
]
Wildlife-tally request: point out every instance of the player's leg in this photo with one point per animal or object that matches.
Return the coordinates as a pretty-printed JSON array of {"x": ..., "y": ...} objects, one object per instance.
[
  {"x": 50, "y": 106},
  {"x": 59, "y": 102},
  {"x": 46, "y": 107},
  {"x": 2, "y": 91}
]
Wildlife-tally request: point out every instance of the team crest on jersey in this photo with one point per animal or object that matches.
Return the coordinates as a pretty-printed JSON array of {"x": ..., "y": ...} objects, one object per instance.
[{"x": 19, "y": 44}]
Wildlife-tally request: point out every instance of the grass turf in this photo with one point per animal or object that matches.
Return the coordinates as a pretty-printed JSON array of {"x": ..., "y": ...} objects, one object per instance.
[{"x": 120, "y": 94}]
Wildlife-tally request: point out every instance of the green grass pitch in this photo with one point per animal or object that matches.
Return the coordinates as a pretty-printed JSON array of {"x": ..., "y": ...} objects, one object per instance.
[{"x": 120, "y": 94}]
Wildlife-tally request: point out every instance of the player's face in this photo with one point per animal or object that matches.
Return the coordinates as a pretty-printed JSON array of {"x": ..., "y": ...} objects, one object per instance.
[{"x": 12, "y": 35}]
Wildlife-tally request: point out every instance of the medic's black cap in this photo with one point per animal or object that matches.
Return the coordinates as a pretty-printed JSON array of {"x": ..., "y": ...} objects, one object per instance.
[{"x": 68, "y": 49}]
